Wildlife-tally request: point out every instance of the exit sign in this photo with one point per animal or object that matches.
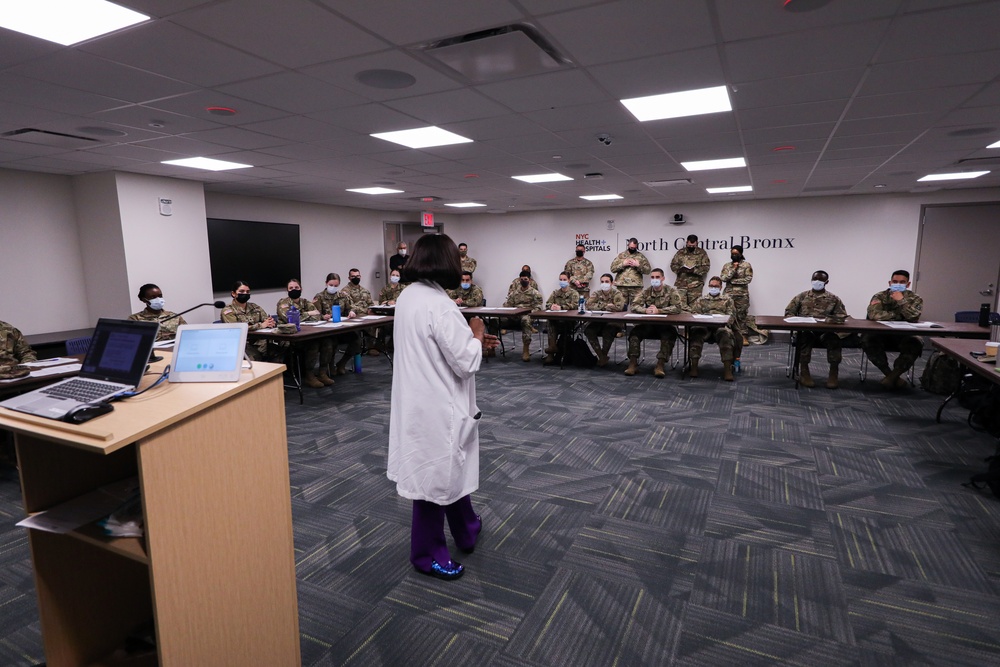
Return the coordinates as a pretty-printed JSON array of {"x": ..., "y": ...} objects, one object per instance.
[{"x": 426, "y": 219}]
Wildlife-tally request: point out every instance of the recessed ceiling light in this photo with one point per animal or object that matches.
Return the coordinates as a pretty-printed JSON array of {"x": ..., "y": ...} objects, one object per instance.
[
  {"x": 723, "y": 191},
  {"x": 207, "y": 163},
  {"x": 542, "y": 178},
  {"x": 953, "y": 177},
  {"x": 374, "y": 191},
  {"x": 422, "y": 137},
  {"x": 727, "y": 163},
  {"x": 994, "y": 145},
  {"x": 67, "y": 22},
  {"x": 880, "y": 185},
  {"x": 600, "y": 197},
  {"x": 677, "y": 105},
  {"x": 465, "y": 204}
]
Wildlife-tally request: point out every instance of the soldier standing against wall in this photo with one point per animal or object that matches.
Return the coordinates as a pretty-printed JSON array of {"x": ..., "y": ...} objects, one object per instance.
[
  {"x": 691, "y": 264},
  {"x": 737, "y": 274},
  {"x": 629, "y": 267},
  {"x": 580, "y": 271}
]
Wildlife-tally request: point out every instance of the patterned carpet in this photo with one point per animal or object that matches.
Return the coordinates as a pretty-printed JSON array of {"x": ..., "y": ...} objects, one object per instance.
[{"x": 637, "y": 521}]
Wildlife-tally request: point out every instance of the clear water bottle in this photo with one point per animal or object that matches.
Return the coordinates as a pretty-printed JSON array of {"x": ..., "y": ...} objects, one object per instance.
[
  {"x": 295, "y": 317},
  {"x": 580, "y": 306}
]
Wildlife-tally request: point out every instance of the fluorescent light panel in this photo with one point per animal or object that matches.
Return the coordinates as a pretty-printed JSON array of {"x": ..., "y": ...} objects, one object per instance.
[
  {"x": 207, "y": 163},
  {"x": 953, "y": 177},
  {"x": 465, "y": 204},
  {"x": 678, "y": 105},
  {"x": 422, "y": 137},
  {"x": 994, "y": 145},
  {"x": 600, "y": 197},
  {"x": 542, "y": 178},
  {"x": 66, "y": 22},
  {"x": 735, "y": 188},
  {"x": 374, "y": 191},
  {"x": 725, "y": 163}
]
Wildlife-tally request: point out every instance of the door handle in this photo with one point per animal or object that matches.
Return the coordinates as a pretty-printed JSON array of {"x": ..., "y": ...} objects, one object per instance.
[{"x": 988, "y": 291}]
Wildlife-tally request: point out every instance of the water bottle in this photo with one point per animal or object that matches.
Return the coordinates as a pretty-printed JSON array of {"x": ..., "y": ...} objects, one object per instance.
[
  {"x": 294, "y": 317},
  {"x": 984, "y": 315},
  {"x": 335, "y": 313},
  {"x": 357, "y": 363},
  {"x": 580, "y": 306}
]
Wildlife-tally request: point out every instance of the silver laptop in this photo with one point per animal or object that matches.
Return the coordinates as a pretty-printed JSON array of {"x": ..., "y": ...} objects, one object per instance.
[{"x": 115, "y": 362}]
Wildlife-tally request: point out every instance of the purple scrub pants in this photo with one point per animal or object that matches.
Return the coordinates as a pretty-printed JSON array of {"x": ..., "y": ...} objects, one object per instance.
[{"x": 427, "y": 542}]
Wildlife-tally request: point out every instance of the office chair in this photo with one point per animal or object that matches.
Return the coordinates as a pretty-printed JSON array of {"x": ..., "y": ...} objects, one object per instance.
[{"x": 78, "y": 345}]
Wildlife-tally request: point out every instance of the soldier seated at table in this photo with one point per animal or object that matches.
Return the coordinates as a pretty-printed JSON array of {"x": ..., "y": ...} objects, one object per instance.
[
  {"x": 14, "y": 351},
  {"x": 332, "y": 296},
  {"x": 819, "y": 303},
  {"x": 391, "y": 292},
  {"x": 563, "y": 299},
  {"x": 523, "y": 296},
  {"x": 714, "y": 303},
  {"x": 895, "y": 304},
  {"x": 313, "y": 352},
  {"x": 152, "y": 296},
  {"x": 657, "y": 299},
  {"x": 468, "y": 294},
  {"x": 241, "y": 309},
  {"x": 605, "y": 297}
]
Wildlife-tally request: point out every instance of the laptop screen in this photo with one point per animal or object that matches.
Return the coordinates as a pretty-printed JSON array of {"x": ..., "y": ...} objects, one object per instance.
[{"x": 119, "y": 351}]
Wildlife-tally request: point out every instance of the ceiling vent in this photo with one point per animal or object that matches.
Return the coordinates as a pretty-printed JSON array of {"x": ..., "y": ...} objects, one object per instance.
[
  {"x": 498, "y": 53},
  {"x": 30, "y": 135},
  {"x": 668, "y": 183}
]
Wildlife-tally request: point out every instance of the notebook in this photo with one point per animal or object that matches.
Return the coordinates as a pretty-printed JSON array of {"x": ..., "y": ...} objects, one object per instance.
[
  {"x": 115, "y": 362},
  {"x": 208, "y": 352}
]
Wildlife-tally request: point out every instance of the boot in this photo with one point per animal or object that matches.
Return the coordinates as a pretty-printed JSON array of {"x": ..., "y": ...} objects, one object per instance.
[
  {"x": 341, "y": 366},
  {"x": 549, "y": 359},
  {"x": 805, "y": 379},
  {"x": 526, "y": 352},
  {"x": 694, "y": 367},
  {"x": 831, "y": 381},
  {"x": 602, "y": 358},
  {"x": 309, "y": 379},
  {"x": 324, "y": 377},
  {"x": 727, "y": 371},
  {"x": 658, "y": 371},
  {"x": 633, "y": 366}
]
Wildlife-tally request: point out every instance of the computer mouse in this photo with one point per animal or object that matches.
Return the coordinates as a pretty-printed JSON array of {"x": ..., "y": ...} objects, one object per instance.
[{"x": 87, "y": 411}]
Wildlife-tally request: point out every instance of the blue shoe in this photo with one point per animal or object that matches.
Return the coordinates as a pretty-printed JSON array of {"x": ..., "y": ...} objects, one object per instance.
[
  {"x": 736, "y": 365},
  {"x": 452, "y": 571}
]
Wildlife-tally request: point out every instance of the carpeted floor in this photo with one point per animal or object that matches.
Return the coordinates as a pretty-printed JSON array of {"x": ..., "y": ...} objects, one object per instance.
[{"x": 636, "y": 521}]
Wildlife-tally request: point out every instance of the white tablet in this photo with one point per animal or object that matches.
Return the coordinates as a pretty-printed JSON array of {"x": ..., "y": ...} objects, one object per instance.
[{"x": 208, "y": 352}]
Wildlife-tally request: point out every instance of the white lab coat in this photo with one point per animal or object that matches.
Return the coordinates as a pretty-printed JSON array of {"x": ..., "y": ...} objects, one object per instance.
[{"x": 433, "y": 427}]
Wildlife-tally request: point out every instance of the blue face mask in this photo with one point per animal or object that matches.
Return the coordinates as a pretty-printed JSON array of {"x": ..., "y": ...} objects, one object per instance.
[
  {"x": 896, "y": 287},
  {"x": 655, "y": 282},
  {"x": 563, "y": 283},
  {"x": 715, "y": 291},
  {"x": 818, "y": 285},
  {"x": 393, "y": 279},
  {"x": 157, "y": 303},
  {"x": 466, "y": 285}
]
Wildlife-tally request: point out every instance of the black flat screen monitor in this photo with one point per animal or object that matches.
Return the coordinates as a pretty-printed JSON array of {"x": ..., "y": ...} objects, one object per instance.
[{"x": 263, "y": 254}]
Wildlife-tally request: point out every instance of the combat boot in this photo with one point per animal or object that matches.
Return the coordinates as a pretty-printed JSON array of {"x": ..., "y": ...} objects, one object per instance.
[
  {"x": 324, "y": 377},
  {"x": 633, "y": 366},
  {"x": 694, "y": 367},
  {"x": 526, "y": 351},
  {"x": 658, "y": 371},
  {"x": 890, "y": 380},
  {"x": 602, "y": 358},
  {"x": 342, "y": 366},
  {"x": 831, "y": 381},
  {"x": 727, "y": 371},
  {"x": 310, "y": 380},
  {"x": 549, "y": 359},
  {"x": 805, "y": 379}
]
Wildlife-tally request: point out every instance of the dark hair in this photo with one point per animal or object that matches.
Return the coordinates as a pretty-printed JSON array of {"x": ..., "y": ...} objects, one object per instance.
[
  {"x": 657, "y": 269},
  {"x": 332, "y": 276},
  {"x": 463, "y": 244},
  {"x": 238, "y": 284},
  {"x": 350, "y": 270},
  {"x": 823, "y": 272},
  {"x": 148, "y": 286},
  {"x": 564, "y": 274},
  {"x": 715, "y": 279},
  {"x": 901, "y": 272},
  {"x": 610, "y": 277},
  {"x": 737, "y": 247},
  {"x": 293, "y": 280},
  {"x": 631, "y": 240},
  {"x": 466, "y": 273},
  {"x": 693, "y": 237},
  {"x": 580, "y": 245},
  {"x": 435, "y": 258},
  {"x": 524, "y": 274}
]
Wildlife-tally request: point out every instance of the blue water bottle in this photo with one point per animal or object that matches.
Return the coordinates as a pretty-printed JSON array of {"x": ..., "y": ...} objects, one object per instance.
[
  {"x": 294, "y": 317},
  {"x": 335, "y": 313}
]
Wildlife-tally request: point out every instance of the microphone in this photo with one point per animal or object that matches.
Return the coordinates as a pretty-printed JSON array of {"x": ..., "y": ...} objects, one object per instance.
[{"x": 217, "y": 304}]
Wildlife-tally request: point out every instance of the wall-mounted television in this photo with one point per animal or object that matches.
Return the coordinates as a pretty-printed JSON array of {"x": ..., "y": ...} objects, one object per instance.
[{"x": 264, "y": 254}]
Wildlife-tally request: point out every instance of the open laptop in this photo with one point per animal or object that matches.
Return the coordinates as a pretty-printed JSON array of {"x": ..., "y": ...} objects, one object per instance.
[
  {"x": 115, "y": 362},
  {"x": 208, "y": 352}
]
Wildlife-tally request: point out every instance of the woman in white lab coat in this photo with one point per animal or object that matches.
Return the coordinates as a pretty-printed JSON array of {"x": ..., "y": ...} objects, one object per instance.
[{"x": 433, "y": 423}]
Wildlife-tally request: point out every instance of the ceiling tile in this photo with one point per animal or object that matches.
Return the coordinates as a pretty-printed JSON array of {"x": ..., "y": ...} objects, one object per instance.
[
  {"x": 546, "y": 91},
  {"x": 448, "y": 107},
  {"x": 293, "y": 93}
]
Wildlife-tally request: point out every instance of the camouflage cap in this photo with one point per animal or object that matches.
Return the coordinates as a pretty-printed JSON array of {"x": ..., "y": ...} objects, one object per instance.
[{"x": 286, "y": 328}]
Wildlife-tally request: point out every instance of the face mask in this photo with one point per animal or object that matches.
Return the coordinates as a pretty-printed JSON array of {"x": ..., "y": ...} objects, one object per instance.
[
  {"x": 242, "y": 298},
  {"x": 631, "y": 249},
  {"x": 818, "y": 285},
  {"x": 736, "y": 258},
  {"x": 655, "y": 282},
  {"x": 579, "y": 253},
  {"x": 605, "y": 287},
  {"x": 294, "y": 293},
  {"x": 715, "y": 291},
  {"x": 524, "y": 282},
  {"x": 402, "y": 252},
  {"x": 896, "y": 287},
  {"x": 332, "y": 289},
  {"x": 393, "y": 279},
  {"x": 157, "y": 303},
  {"x": 463, "y": 253},
  {"x": 356, "y": 280},
  {"x": 563, "y": 283},
  {"x": 466, "y": 285}
]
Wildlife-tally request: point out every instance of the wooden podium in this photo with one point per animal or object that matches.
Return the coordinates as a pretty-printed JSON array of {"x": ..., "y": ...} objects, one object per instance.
[{"x": 215, "y": 571}]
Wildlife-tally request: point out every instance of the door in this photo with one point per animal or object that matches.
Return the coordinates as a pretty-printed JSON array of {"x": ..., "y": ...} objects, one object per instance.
[
  {"x": 394, "y": 232},
  {"x": 958, "y": 267}
]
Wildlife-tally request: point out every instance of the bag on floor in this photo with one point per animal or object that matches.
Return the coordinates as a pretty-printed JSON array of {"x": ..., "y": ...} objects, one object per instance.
[
  {"x": 578, "y": 354},
  {"x": 942, "y": 375},
  {"x": 989, "y": 479}
]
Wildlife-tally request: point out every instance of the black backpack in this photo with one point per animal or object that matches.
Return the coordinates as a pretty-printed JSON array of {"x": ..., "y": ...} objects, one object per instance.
[
  {"x": 990, "y": 478},
  {"x": 578, "y": 353},
  {"x": 942, "y": 375}
]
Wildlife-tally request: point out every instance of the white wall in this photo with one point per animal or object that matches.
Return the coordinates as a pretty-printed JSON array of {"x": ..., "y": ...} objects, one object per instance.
[{"x": 859, "y": 240}]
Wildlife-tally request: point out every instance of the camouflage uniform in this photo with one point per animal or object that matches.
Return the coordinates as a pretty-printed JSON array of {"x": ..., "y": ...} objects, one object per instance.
[
  {"x": 471, "y": 298},
  {"x": 524, "y": 298},
  {"x": 737, "y": 279},
  {"x": 567, "y": 299},
  {"x": 516, "y": 284},
  {"x": 819, "y": 305},
  {"x": 714, "y": 305},
  {"x": 168, "y": 330},
  {"x": 668, "y": 301},
  {"x": 14, "y": 349},
  {"x": 628, "y": 279},
  {"x": 390, "y": 292},
  {"x": 469, "y": 264},
  {"x": 254, "y": 316},
  {"x": 582, "y": 270},
  {"x": 690, "y": 283},
  {"x": 312, "y": 351},
  {"x": 612, "y": 301},
  {"x": 884, "y": 308},
  {"x": 351, "y": 340},
  {"x": 361, "y": 301}
]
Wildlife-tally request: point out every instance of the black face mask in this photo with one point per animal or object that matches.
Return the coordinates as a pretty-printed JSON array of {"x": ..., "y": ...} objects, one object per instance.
[
  {"x": 524, "y": 282},
  {"x": 356, "y": 280},
  {"x": 294, "y": 293},
  {"x": 579, "y": 253},
  {"x": 737, "y": 258},
  {"x": 633, "y": 250},
  {"x": 242, "y": 298}
]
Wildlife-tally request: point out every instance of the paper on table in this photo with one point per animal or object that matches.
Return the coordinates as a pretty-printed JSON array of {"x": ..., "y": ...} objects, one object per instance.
[
  {"x": 333, "y": 325},
  {"x": 711, "y": 316},
  {"x": 83, "y": 509},
  {"x": 50, "y": 362},
  {"x": 504, "y": 308},
  {"x": 800, "y": 320},
  {"x": 55, "y": 370},
  {"x": 162, "y": 344},
  {"x": 371, "y": 317}
]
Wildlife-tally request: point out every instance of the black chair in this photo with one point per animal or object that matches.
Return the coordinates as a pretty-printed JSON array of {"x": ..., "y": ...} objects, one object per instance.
[{"x": 78, "y": 345}]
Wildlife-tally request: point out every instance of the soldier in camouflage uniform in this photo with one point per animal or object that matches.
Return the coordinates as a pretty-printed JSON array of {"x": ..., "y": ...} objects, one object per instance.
[
  {"x": 818, "y": 303},
  {"x": 391, "y": 292},
  {"x": 657, "y": 299},
  {"x": 629, "y": 267},
  {"x": 14, "y": 349},
  {"x": 606, "y": 297},
  {"x": 516, "y": 282},
  {"x": 325, "y": 301},
  {"x": 899, "y": 304},
  {"x": 151, "y": 295},
  {"x": 524, "y": 296},
  {"x": 468, "y": 294},
  {"x": 468, "y": 263},
  {"x": 713, "y": 303},
  {"x": 737, "y": 275},
  {"x": 361, "y": 302},
  {"x": 240, "y": 309},
  {"x": 691, "y": 264},
  {"x": 308, "y": 312},
  {"x": 580, "y": 271},
  {"x": 563, "y": 299}
]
